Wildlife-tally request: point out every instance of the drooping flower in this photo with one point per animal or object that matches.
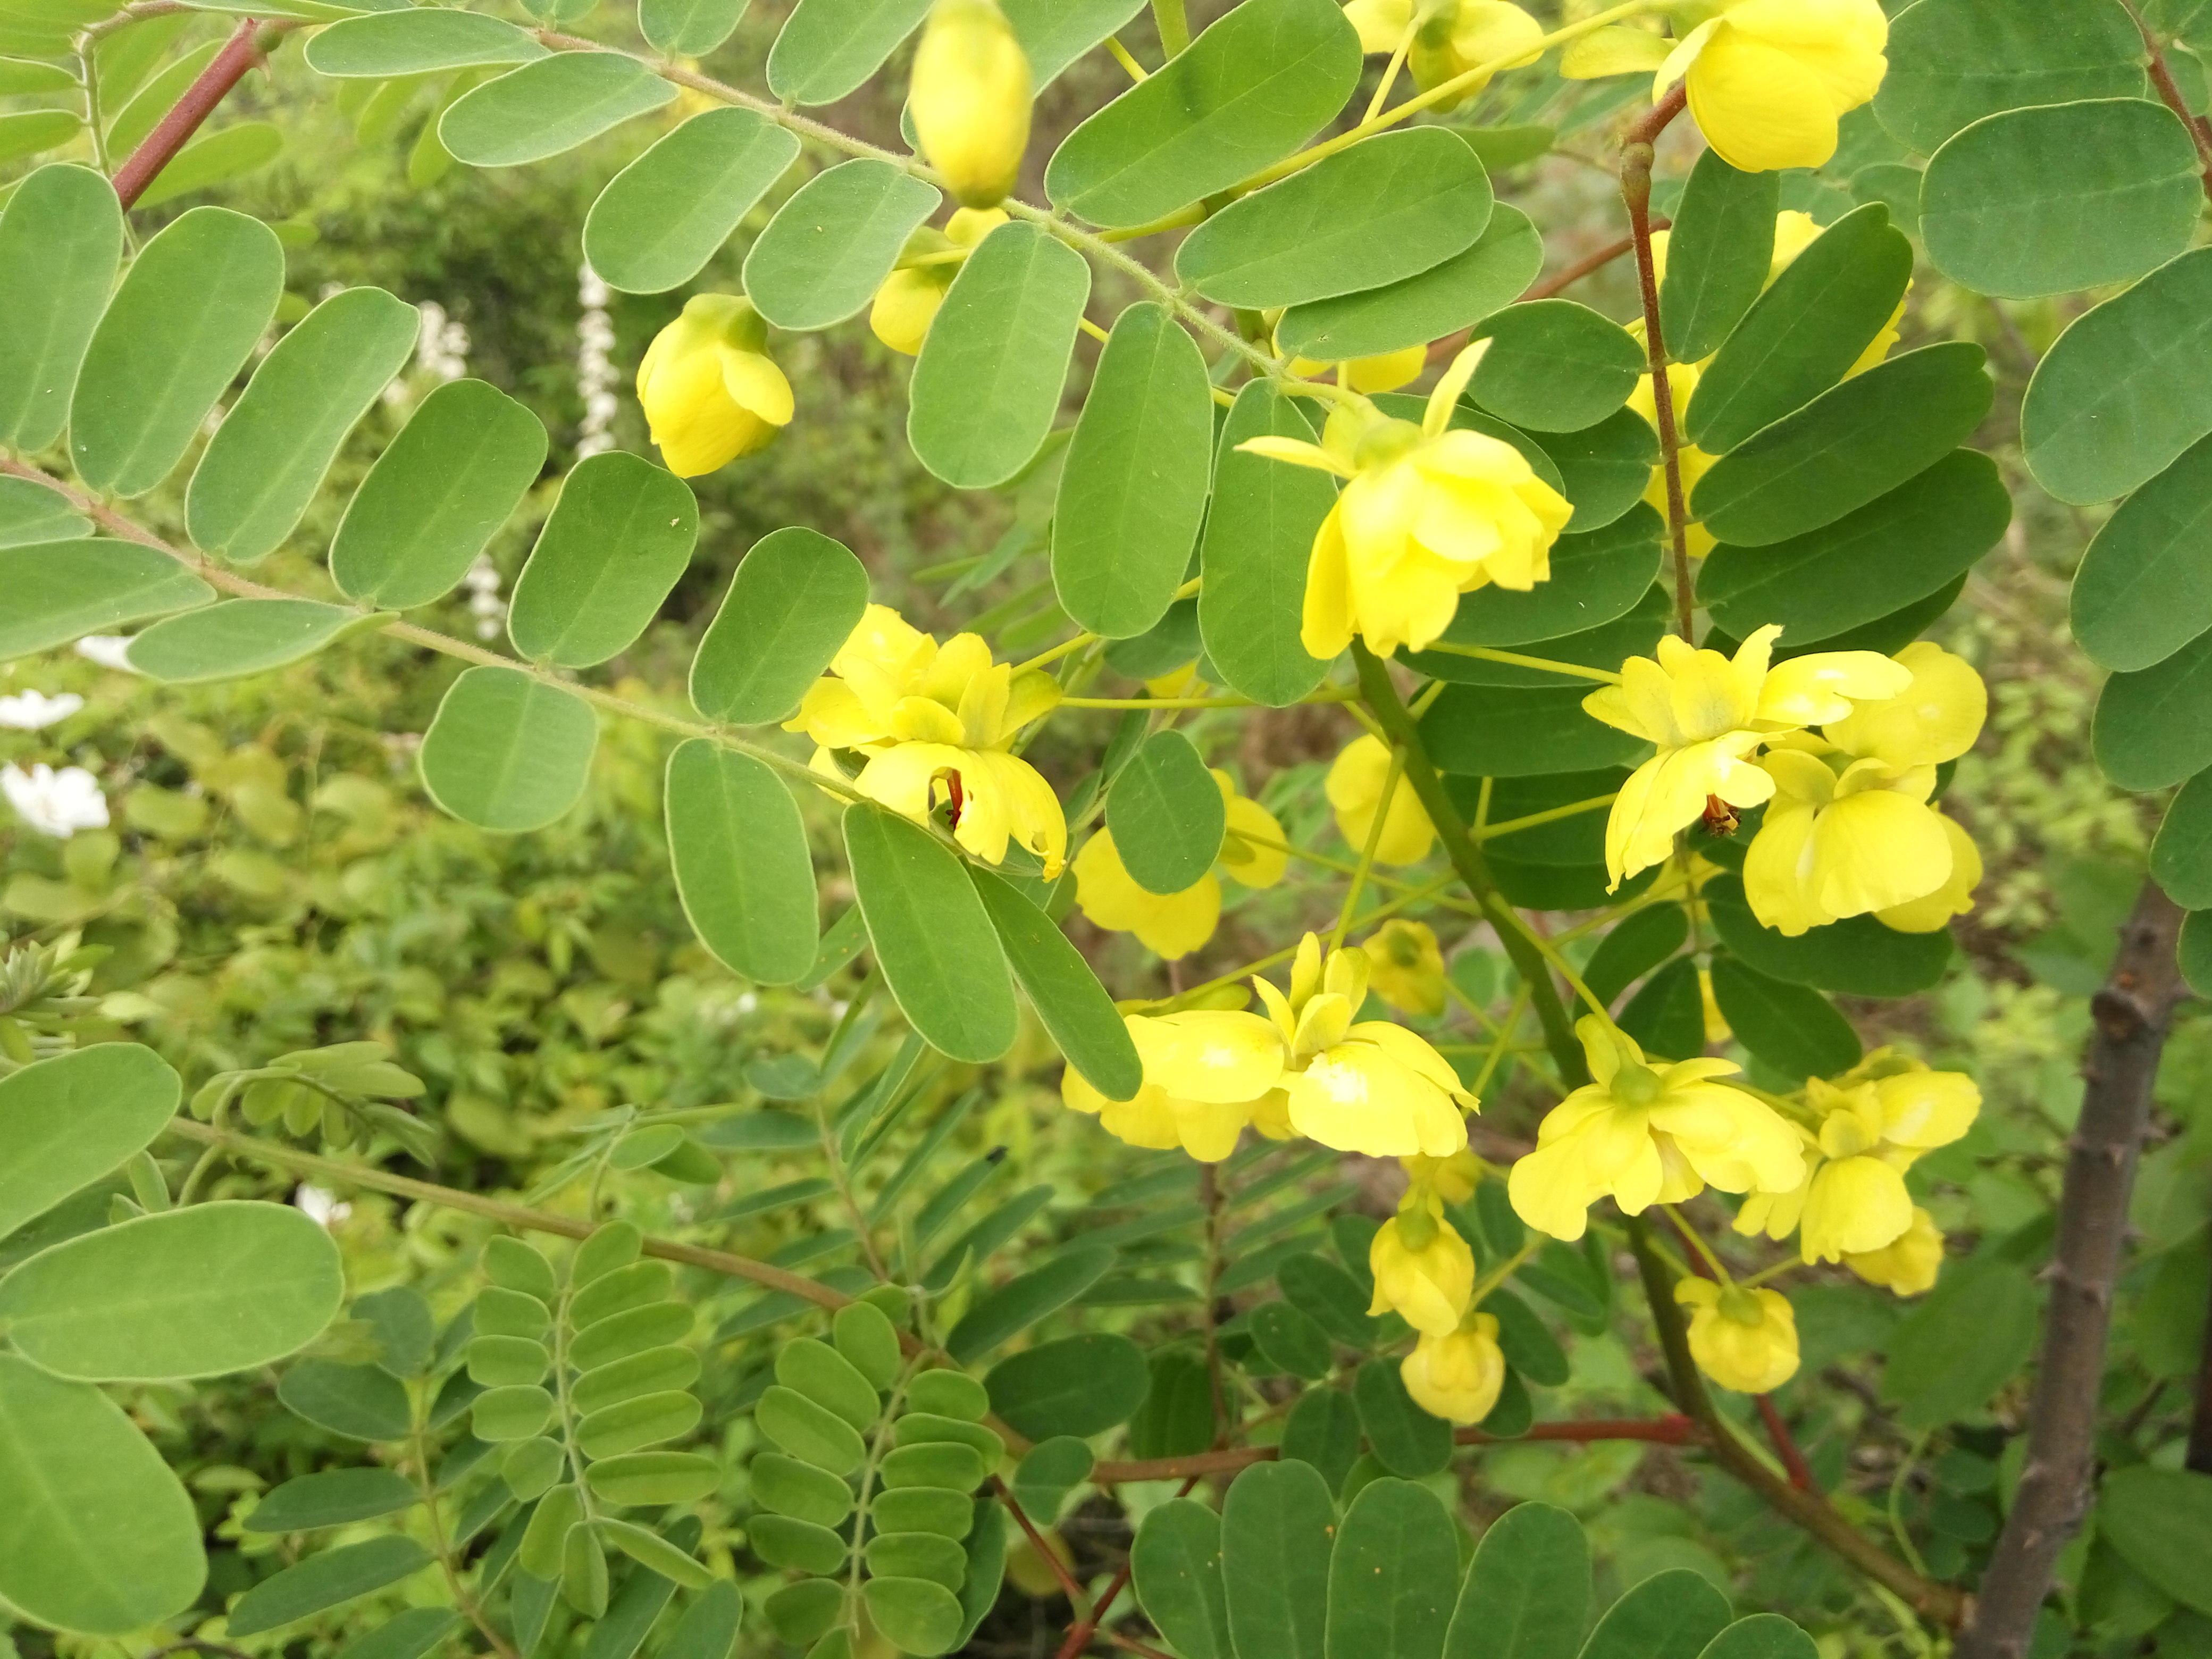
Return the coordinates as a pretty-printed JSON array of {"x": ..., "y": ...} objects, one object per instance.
[
  {"x": 1453, "y": 39},
  {"x": 1173, "y": 924},
  {"x": 1908, "y": 1264},
  {"x": 1768, "y": 80},
  {"x": 1424, "y": 1270},
  {"x": 1206, "y": 1128},
  {"x": 934, "y": 724},
  {"x": 970, "y": 99},
  {"x": 709, "y": 390},
  {"x": 1458, "y": 1374},
  {"x": 1708, "y": 714},
  {"x": 907, "y": 303},
  {"x": 1429, "y": 513},
  {"x": 1354, "y": 789},
  {"x": 1744, "y": 1339},
  {"x": 56, "y": 804},
  {"x": 32, "y": 710},
  {"x": 1385, "y": 371},
  {"x": 1648, "y": 1137},
  {"x": 1406, "y": 968}
]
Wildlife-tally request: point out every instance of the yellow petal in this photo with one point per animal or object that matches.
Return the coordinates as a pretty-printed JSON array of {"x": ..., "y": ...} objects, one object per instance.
[{"x": 1762, "y": 108}]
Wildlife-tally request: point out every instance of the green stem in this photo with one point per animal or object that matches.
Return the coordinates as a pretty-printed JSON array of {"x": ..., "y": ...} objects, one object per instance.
[
  {"x": 1174, "y": 25},
  {"x": 1366, "y": 865},
  {"x": 1513, "y": 658}
]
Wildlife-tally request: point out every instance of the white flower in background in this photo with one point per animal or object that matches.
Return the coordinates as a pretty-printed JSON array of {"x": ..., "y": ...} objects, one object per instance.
[
  {"x": 319, "y": 1206},
  {"x": 34, "y": 711},
  {"x": 108, "y": 650},
  {"x": 441, "y": 351},
  {"x": 485, "y": 602},
  {"x": 596, "y": 379},
  {"x": 53, "y": 803}
]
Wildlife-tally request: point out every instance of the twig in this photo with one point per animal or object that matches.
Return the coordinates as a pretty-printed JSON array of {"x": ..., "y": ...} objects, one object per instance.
[
  {"x": 1547, "y": 287},
  {"x": 2132, "y": 1014},
  {"x": 241, "y": 52},
  {"x": 1636, "y": 156},
  {"x": 1671, "y": 1430},
  {"x": 1045, "y": 1552},
  {"x": 1785, "y": 1444},
  {"x": 2161, "y": 76}
]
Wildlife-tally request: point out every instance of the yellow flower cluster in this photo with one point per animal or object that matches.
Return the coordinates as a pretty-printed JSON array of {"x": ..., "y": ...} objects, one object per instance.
[
  {"x": 907, "y": 302},
  {"x": 1443, "y": 39},
  {"x": 1424, "y": 1273},
  {"x": 1173, "y": 924},
  {"x": 1768, "y": 80},
  {"x": 935, "y": 725},
  {"x": 708, "y": 388}
]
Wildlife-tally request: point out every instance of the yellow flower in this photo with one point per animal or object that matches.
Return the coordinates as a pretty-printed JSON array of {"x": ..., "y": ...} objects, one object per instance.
[
  {"x": 970, "y": 99},
  {"x": 1707, "y": 714},
  {"x": 1908, "y": 1264},
  {"x": 1768, "y": 79},
  {"x": 1743, "y": 1339},
  {"x": 709, "y": 391},
  {"x": 1424, "y": 1270},
  {"x": 1456, "y": 1375},
  {"x": 1646, "y": 1138},
  {"x": 1850, "y": 829},
  {"x": 1681, "y": 381},
  {"x": 1354, "y": 789},
  {"x": 1454, "y": 38},
  {"x": 1207, "y": 1129},
  {"x": 907, "y": 303},
  {"x": 934, "y": 724},
  {"x": 1173, "y": 924},
  {"x": 1386, "y": 372},
  {"x": 1404, "y": 967},
  {"x": 1428, "y": 514}
]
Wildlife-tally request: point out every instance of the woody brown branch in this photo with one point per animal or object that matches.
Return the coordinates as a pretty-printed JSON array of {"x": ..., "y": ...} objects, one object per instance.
[
  {"x": 1637, "y": 152},
  {"x": 241, "y": 52}
]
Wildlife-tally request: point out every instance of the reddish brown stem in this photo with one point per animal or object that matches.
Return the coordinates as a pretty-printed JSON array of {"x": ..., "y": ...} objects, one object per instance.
[
  {"x": 1080, "y": 1632},
  {"x": 1636, "y": 155},
  {"x": 1449, "y": 346},
  {"x": 1668, "y": 1430},
  {"x": 2162, "y": 77},
  {"x": 1785, "y": 1444},
  {"x": 159, "y": 147},
  {"x": 1045, "y": 1551}
]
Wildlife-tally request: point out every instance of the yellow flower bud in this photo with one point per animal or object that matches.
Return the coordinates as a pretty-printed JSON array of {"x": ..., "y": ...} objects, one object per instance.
[
  {"x": 1424, "y": 1270},
  {"x": 906, "y": 305},
  {"x": 1453, "y": 1179},
  {"x": 709, "y": 391},
  {"x": 971, "y": 100},
  {"x": 1354, "y": 789},
  {"x": 1908, "y": 1264},
  {"x": 1406, "y": 969},
  {"x": 1743, "y": 1339},
  {"x": 1456, "y": 1375},
  {"x": 1768, "y": 80}
]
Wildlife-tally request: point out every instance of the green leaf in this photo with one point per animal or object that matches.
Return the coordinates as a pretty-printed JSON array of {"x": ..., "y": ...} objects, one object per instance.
[
  {"x": 1277, "y": 1527},
  {"x": 1054, "y": 33},
  {"x": 1132, "y": 490},
  {"x": 1291, "y": 1341},
  {"x": 1512, "y": 732},
  {"x": 1670, "y": 1615},
  {"x": 1604, "y": 472},
  {"x": 1062, "y": 986},
  {"x": 708, "y": 1628},
  {"x": 1805, "y": 333},
  {"x": 1322, "y": 1431},
  {"x": 2116, "y": 398},
  {"x": 1491, "y": 273},
  {"x": 217, "y": 1288},
  {"x": 1952, "y": 61},
  {"x": 830, "y": 246},
  {"x": 654, "y": 1554},
  {"x": 809, "y": 1432},
  {"x": 2138, "y": 595},
  {"x": 2181, "y": 857},
  {"x": 1079, "y": 1385},
  {"x": 828, "y": 48},
  {"x": 828, "y": 1378},
  {"x": 135, "y": 118},
  {"x": 1390, "y": 1580},
  {"x": 1529, "y": 1346},
  {"x": 617, "y": 542},
  {"x": 187, "y": 316},
  {"x": 914, "y": 1614},
  {"x": 30, "y": 512},
  {"x": 60, "y": 240},
  {"x": 19, "y": 76},
  {"x": 1555, "y": 365},
  {"x": 984, "y": 1572},
  {"x": 931, "y": 937},
  {"x": 2159, "y": 1522},
  {"x": 550, "y": 105},
  {"x": 795, "y": 600},
  {"x": 26, "y": 131},
  {"x": 330, "y": 1499},
  {"x": 1389, "y": 207},
  {"x": 214, "y": 157},
  {"x": 1527, "y": 1594},
  {"x": 1166, "y": 814},
  {"x": 1021, "y": 1302},
  {"x": 1717, "y": 255},
  {"x": 409, "y": 1635},
  {"x": 1858, "y": 957},
  {"x": 1953, "y": 1353},
  {"x": 1634, "y": 949},
  {"x": 435, "y": 498},
  {"x": 1666, "y": 1017},
  {"x": 507, "y": 752},
  {"x": 417, "y": 42},
  {"x": 1054, "y": 1467},
  {"x": 66, "y": 1121},
  {"x": 988, "y": 382},
  {"x": 1176, "y": 1564},
  {"x": 98, "y": 1536},
  {"x": 361, "y": 1402},
  {"x": 1248, "y": 91},
  {"x": 238, "y": 637},
  {"x": 662, "y": 217},
  {"x": 1897, "y": 548},
  {"x": 1405, "y": 1439},
  {"x": 1596, "y": 577},
  {"x": 1177, "y": 1419},
  {"x": 742, "y": 870},
  {"x": 688, "y": 28},
  {"x": 1762, "y": 1636},
  {"x": 1846, "y": 448},
  {"x": 1257, "y": 543},
  {"x": 329, "y": 1580},
  {"x": 2154, "y": 727},
  {"x": 2061, "y": 197},
  {"x": 1792, "y": 1028}
]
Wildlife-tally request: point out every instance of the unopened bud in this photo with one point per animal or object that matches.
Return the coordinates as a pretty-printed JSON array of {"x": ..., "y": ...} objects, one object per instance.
[{"x": 971, "y": 100}]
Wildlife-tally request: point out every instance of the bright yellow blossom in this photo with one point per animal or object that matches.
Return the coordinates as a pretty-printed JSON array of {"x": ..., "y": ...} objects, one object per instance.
[
  {"x": 1385, "y": 371},
  {"x": 1908, "y": 1264},
  {"x": 1428, "y": 514},
  {"x": 907, "y": 303},
  {"x": 1458, "y": 1374},
  {"x": 1648, "y": 1137},
  {"x": 1768, "y": 80},
  {"x": 1454, "y": 37},
  {"x": 709, "y": 391},
  {"x": 1681, "y": 381},
  {"x": 1955, "y": 897},
  {"x": 1744, "y": 1339},
  {"x": 1354, "y": 789},
  {"x": 1173, "y": 924},
  {"x": 1707, "y": 714},
  {"x": 1424, "y": 1270},
  {"x": 1206, "y": 1128},
  {"x": 934, "y": 724},
  {"x": 1406, "y": 968},
  {"x": 970, "y": 99}
]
